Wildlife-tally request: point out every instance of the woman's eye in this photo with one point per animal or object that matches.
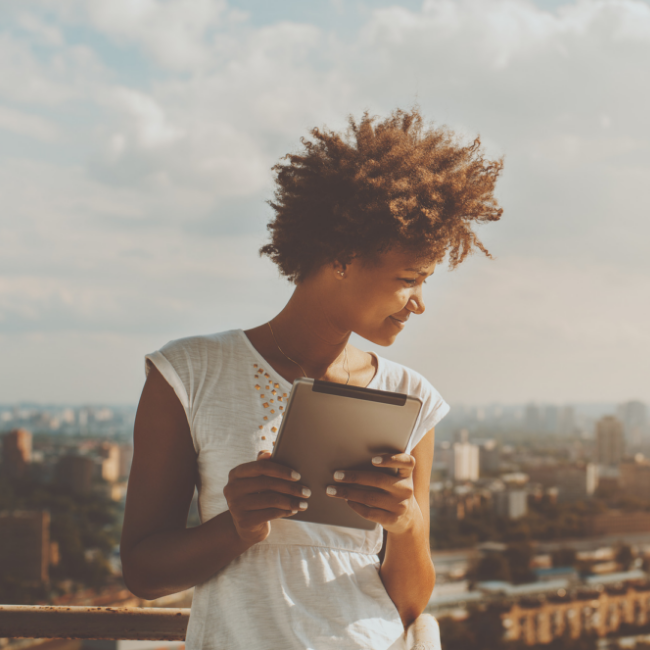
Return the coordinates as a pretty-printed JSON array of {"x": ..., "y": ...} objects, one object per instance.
[{"x": 408, "y": 281}]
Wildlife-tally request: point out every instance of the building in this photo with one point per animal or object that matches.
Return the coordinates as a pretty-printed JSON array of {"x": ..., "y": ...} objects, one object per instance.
[
  {"x": 511, "y": 503},
  {"x": 457, "y": 501},
  {"x": 110, "y": 462},
  {"x": 576, "y": 482},
  {"x": 567, "y": 421},
  {"x": 532, "y": 418},
  {"x": 550, "y": 419},
  {"x": 126, "y": 457},
  {"x": 75, "y": 472},
  {"x": 489, "y": 458},
  {"x": 16, "y": 453},
  {"x": 464, "y": 462},
  {"x": 616, "y": 522},
  {"x": 599, "y": 612},
  {"x": 634, "y": 476},
  {"x": 25, "y": 545},
  {"x": 634, "y": 416},
  {"x": 610, "y": 441}
]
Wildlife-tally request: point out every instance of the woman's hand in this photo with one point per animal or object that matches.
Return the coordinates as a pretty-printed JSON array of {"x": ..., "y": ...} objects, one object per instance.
[
  {"x": 261, "y": 491},
  {"x": 384, "y": 498}
]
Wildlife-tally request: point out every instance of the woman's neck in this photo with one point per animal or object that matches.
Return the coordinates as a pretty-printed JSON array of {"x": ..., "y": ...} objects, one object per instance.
[{"x": 304, "y": 330}]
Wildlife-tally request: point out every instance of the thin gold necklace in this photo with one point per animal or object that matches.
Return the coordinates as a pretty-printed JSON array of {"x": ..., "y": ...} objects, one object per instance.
[{"x": 286, "y": 356}]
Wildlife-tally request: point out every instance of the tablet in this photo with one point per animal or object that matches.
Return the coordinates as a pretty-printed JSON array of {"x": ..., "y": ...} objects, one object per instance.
[{"x": 329, "y": 426}]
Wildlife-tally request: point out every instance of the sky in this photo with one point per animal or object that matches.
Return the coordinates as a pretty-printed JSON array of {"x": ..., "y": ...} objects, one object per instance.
[{"x": 136, "y": 144}]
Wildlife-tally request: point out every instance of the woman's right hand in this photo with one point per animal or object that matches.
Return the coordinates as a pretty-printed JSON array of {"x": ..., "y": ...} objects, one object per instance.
[{"x": 261, "y": 491}]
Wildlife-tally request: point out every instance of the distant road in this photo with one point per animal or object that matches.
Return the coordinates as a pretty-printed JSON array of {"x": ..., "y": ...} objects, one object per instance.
[
  {"x": 592, "y": 543},
  {"x": 455, "y": 556}
]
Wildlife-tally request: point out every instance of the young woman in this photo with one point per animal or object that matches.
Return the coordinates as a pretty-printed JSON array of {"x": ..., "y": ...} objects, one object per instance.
[{"x": 360, "y": 223}]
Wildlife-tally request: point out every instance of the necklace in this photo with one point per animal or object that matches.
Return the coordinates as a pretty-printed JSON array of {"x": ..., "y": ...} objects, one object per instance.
[{"x": 286, "y": 356}]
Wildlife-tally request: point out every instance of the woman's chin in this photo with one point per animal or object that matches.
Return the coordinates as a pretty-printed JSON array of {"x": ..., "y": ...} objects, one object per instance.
[{"x": 380, "y": 338}]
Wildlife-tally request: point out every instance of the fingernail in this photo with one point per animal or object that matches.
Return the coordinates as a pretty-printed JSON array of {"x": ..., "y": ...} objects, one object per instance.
[
  {"x": 331, "y": 490},
  {"x": 306, "y": 492},
  {"x": 293, "y": 512},
  {"x": 295, "y": 476},
  {"x": 339, "y": 476},
  {"x": 377, "y": 460},
  {"x": 304, "y": 505}
]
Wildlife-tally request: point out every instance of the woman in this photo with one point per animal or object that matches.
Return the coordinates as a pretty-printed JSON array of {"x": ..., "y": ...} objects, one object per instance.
[{"x": 360, "y": 224}]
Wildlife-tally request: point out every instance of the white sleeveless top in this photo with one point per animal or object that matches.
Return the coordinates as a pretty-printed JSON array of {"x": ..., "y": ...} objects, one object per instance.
[{"x": 307, "y": 586}]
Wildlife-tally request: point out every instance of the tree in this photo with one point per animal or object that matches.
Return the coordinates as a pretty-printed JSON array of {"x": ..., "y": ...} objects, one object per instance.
[
  {"x": 519, "y": 557},
  {"x": 624, "y": 556},
  {"x": 564, "y": 557},
  {"x": 493, "y": 566}
]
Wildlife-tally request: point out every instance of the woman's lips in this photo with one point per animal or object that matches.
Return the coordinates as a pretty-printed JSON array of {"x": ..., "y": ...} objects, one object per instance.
[{"x": 398, "y": 322}]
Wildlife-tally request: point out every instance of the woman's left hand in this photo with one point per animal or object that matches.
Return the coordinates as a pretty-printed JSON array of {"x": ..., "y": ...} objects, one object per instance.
[{"x": 384, "y": 498}]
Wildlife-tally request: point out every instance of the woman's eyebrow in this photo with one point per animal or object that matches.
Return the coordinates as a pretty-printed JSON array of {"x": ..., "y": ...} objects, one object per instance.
[{"x": 418, "y": 271}]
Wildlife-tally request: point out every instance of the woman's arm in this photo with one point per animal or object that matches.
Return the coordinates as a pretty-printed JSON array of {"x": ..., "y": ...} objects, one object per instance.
[
  {"x": 407, "y": 570},
  {"x": 159, "y": 554},
  {"x": 400, "y": 503}
]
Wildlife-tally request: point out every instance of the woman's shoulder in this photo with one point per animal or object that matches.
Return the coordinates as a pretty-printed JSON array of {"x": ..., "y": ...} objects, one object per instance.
[
  {"x": 200, "y": 355},
  {"x": 202, "y": 344},
  {"x": 399, "y": 378}
]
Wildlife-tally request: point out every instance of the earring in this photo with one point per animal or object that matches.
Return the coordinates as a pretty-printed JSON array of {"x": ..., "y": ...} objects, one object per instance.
[{"x": 341, "y": 273}]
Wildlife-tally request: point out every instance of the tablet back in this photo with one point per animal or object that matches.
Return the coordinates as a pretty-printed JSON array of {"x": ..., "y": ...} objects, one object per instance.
[{"x": 331, "y": 426}]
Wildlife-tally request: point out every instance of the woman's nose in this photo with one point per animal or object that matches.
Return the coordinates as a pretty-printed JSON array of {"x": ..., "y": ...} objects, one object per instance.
[{"x": 416, "y": 304}]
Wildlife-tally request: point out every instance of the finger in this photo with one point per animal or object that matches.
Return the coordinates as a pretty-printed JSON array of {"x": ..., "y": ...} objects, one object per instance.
[
  {"x": 372, "y": 498},
  {"x": 404, "y": 463},
  {"x": 265, "y": 453},
  {"x": 377, "y": 515},
  {"x": 270, "y": 484},
  {"x": 265, "y": 500},
  {"x": 264, "y": 467},
  {"x": 371, "y": 478},
  {"x": 257, "y": 517}
]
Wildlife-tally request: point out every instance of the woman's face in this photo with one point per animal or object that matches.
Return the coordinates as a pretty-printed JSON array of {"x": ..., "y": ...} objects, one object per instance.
[{"x": 378, "y": 299}]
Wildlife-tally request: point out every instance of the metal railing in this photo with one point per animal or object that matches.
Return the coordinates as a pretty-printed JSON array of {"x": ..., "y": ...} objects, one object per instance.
[{"x": 140, "y": 623}]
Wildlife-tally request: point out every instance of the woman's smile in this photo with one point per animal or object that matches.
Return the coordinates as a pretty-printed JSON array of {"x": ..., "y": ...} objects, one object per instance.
[{"x": 401, "y": 323}]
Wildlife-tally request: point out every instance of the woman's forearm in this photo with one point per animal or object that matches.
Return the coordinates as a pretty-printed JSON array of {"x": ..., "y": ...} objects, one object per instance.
[
  {"x": 407, "y": 571},
  {"x": 167, "y": 562}
]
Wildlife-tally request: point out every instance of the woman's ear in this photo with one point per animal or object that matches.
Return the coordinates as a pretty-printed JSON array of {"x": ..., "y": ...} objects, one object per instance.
[{"x": 339, "y": 270}]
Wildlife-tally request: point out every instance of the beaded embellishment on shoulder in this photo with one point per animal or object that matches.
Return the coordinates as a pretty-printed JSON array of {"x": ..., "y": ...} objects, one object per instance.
[{"x": 272, "y": 401}]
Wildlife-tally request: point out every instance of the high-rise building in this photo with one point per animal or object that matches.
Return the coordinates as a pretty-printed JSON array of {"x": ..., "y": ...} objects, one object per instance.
[
  {"x": 110, "y": 462},
  {"x": 464, "y": 462},
  {"x": 489, "y": 457},
  {"x": 25, "y": 545},
  {"x": 551, "y": 419},
  {"x": 576, "y": 482},
  {"x": 532, "y": 418},
  {"x": 634, "y": 476},
  {"x": 76, "y": 472},
  {"x": 634, "y": 416},
  {"x": 567, "y": 420},
  {"x": 511, "y": 503},
  {"x": 610, "y": 442},
  {"x": 16, "y": 453}
]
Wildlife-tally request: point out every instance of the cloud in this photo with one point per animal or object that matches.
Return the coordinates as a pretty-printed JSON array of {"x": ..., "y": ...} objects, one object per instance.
[
  {"x": 146, "y": 212},
  {"x": 73, "y": 72},
  {"x": 29, "y": 125}
]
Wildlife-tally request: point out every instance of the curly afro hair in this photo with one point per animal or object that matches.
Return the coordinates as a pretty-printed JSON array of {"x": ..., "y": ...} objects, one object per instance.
[{"x": 385, "y": 184}]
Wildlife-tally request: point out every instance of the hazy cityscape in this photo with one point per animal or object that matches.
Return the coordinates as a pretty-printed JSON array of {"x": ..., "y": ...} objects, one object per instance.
[{"x": 540, "y": 519}]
